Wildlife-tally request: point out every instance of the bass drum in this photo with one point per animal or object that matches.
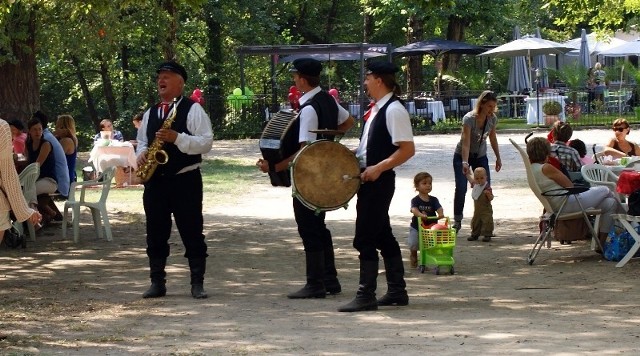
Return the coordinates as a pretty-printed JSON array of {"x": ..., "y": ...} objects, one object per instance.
[{"x": 325, "y": 175}]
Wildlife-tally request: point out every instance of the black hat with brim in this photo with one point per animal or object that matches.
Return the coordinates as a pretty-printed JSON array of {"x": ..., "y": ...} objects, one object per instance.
[
  {"x": 173, "y": 67},
  {"x": 380, "y": 67},
  {"x": 307, "y": 66}
]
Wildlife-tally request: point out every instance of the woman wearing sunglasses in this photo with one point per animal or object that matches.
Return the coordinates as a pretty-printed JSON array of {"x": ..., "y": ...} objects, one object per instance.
[{"x": 619, "y": 146}]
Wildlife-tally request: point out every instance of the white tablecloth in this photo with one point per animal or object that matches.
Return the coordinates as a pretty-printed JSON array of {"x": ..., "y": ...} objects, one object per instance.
[
  {"x": 119, "y": 154},
  {"x": 436, "y": 108},
  {"x": 354, "y": 110},
  {"x": 535, "y": 116}
]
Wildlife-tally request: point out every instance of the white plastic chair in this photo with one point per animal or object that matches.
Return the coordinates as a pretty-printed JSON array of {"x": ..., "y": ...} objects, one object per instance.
[
  {"x": 28, "y": 178},
  {"x": 550, "y": 217},
  {"x": 98, "y": 208},
  {"x": 597, "y": 174}
]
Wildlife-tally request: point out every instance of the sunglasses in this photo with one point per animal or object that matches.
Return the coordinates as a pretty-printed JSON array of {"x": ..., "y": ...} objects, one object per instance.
[{"x": 619, "y": 129}]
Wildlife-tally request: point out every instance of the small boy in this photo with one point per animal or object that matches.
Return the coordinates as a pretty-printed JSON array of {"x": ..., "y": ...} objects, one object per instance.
[
  {"x": 424, "y": 206},
  {"x": 482, "y": 221}
]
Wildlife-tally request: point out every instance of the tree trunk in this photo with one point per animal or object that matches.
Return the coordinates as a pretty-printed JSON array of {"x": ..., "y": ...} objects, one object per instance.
[
  {"x": 20, "y": 91},
  {"x": 107, "y": 89},
  {"x": 171, "y": 39},
  {"x": 414, "y": 74},
  {"x": 213, "y": 64},
  {"x": 86, "y": 93},
  {"x": 455, "y": 32},
  {"x": 331, "y": 20},
  {"x": 368, "y": 28},
  {"x": 125, "y": 75}
]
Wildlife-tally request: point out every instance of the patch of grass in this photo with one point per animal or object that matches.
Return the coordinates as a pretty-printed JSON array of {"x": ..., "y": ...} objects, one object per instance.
[
  {"x": 221, "y": 177},
  {"x": 227, "y": 176}
]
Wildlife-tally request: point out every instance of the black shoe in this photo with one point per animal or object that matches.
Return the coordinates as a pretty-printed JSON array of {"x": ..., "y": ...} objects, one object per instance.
[
  {"x": 309, "y": 291},
  {"x": 486, "y": 239},
  {"x": 197, "y": 291},
  {"x": 399, "y": 300},
  {"x": 360, "y": 304},
  {"x": 472, "y": 238},
  {"x": 156, "y": 290},
  {"x": 333, "y": 288},
  {"x": 565, "y": 242}
]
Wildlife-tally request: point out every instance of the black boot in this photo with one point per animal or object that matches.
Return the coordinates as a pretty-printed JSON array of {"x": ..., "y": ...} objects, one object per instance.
[
  {"x": 396, "y": 292},
  {"x": 315, "y": 277},
  {"x": 331, "y": 283},
  {"x": 157, "y": 274},
  {"x": 366, "y": 295},
  {"x": 198, "y": 266}
]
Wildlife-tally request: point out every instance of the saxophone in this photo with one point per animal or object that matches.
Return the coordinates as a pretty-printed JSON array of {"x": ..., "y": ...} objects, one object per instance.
[{"x": 155, "y": 154}]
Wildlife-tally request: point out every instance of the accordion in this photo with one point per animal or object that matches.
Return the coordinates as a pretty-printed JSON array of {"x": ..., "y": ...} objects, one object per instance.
[{"x": 271, "y": 144}]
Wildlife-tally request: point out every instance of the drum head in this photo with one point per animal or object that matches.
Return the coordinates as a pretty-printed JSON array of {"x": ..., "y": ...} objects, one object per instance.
[{"x": 318, "y": 175}]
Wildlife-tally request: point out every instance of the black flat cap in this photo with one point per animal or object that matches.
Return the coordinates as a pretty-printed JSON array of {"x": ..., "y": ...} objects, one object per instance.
[
  {"x": 380, "y": 67},
  {"x": 307, "y": 66},
  {"x": 173, "y": 67}
]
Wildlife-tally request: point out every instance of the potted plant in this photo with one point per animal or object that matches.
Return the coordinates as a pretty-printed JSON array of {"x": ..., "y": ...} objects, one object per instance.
[{"x": 551, "y": 109}]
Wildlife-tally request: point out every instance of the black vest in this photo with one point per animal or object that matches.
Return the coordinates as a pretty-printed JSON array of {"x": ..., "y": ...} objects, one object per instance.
[
  {"x": 379, "y": 145},
  {"x": 327, "y": 110},
  {"x": 177, "y": 159}
]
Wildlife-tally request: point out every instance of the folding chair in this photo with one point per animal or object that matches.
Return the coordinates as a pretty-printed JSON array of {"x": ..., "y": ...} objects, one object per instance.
[
  {"x": 549, "y": 218},
  {"x": 98, "y": 208},
  {"x": 28, "y": 178}
]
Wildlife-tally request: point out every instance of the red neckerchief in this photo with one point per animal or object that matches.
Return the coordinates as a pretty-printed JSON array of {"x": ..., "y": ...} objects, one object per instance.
[{"x": 366, "y": 115}]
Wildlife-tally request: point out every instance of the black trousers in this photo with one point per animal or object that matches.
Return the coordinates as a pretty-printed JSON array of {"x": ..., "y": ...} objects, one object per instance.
[
  {"x": 373, "y": 227},
  {"x": 312, "y": 228},
  {"x": 179, "y": 195}
]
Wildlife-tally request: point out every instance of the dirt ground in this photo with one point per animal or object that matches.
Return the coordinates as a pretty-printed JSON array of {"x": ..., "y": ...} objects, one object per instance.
[{"x": 58, "y": 297}]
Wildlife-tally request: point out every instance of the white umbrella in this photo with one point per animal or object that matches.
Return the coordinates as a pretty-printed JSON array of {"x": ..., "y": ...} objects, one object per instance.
[
  {"x": 518, "y": 73},
  {"x": 541, "y": 63},
  {"x": 595, "y": 45},
  {"x": 527, "y": 46},
  {"x": 631, "y": 48},
  {"x": 585, "y": 55}
]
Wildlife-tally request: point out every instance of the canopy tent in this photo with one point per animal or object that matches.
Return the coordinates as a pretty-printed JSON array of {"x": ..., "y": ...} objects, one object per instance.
[
  {"x": 324, "y": 57},
  {"x": 436, "y": 47},
  {"x": 307, "y": 50}
]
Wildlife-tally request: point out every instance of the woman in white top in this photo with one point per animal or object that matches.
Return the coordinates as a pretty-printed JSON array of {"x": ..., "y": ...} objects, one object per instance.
[{"x": 549, "y": 177}]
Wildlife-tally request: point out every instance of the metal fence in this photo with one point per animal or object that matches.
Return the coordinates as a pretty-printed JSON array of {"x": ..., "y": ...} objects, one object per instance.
[{"x": 245, "y": 118}]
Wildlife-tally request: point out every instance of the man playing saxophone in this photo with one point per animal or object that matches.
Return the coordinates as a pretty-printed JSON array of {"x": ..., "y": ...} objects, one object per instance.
[{"x": 174, "y": 187}]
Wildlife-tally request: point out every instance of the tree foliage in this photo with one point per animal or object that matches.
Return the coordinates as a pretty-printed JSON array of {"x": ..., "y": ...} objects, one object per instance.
[{"x": 96, "y": 59}]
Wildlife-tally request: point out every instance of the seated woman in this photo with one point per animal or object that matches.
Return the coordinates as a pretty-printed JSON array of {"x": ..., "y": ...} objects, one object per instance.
[
  {"x": 107, "y": 125},
  {"x": 619, "y": 146},
  {"x": 548, "y": 178},
  {"x": 18, "y": 136},
  {"x": 39, "y": 150},
  {"x": 11, "y": 197},
  {"x": 65, "y": 132}
]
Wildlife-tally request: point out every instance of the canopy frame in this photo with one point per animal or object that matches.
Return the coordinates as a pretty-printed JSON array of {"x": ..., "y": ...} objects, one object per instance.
[{"x": 274, "y": 51}]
